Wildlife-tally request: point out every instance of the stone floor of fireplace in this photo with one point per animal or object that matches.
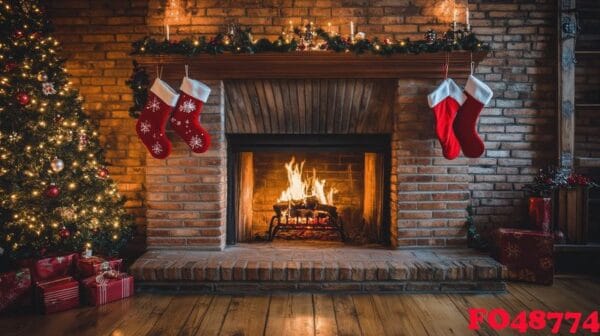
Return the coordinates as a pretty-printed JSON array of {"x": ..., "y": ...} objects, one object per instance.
[{"x": 318, "y": 266}]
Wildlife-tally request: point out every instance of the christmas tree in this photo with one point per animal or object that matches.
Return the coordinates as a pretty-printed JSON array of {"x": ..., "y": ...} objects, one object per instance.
[{"x": 55, "y": 194}]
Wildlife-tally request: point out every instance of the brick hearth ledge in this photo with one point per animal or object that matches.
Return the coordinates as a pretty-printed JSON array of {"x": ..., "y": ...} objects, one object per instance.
[{"x": 318, "y": 266}]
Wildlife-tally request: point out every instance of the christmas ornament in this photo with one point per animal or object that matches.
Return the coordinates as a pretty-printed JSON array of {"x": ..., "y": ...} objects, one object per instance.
[
  {"x": 52, "y": 191},
  {"x": 360, "y": 36},
  {"x": 64, "y": 233},
  {"x": 102, "y": 173},
  {"x": 478, "y": 94},
  {"x": 445, "y": 102},
  {"x": 23, "y": 98},
  {"x": 10, "y": 66},
  {"x": 151, "y": 125},
  {"x": 57, "y": 165},
  {"x": 48, "y": 88},
  {"x": 67, "y": 213},
  {"x": 430, "y": 36},
  {"x": 42, "y": 77},
  {"x": 185, "y": 120},
  {"x": 18, "y": 34},
  {"x": 83, "y": 140}
]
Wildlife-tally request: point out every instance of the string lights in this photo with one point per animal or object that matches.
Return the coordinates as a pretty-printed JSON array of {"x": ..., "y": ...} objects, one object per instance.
[{"x": 55, "y": 194}]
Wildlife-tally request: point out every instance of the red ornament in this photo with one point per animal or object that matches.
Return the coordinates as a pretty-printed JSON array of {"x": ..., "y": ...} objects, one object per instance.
[
  {"x": 64, "y": 233},
  {"x": 102, "y": 173},
  {"x": 10, "y": 66},
  {"x": 18, "y": 34},
  {"x": 23, "y": 98},
  {"x": 52, "y": 191}
]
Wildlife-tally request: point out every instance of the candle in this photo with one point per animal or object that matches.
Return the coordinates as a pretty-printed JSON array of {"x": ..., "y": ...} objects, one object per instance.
[
  {"x": 352, "y": 31},
  {"x": 329, "y": 25},
  {"x": 167, "y": 31},
  {"x": 291, "y": 26},
  {"x": 454, "y": 20},
  {"x": 468, "y": 22}
]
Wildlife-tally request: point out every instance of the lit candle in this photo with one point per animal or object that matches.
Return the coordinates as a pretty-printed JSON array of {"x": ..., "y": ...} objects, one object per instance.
[
  {"x": 454, "y": 20},
  {"x": 291, "y": 26},
  {"x": 329, "y": 25},
  {"x": 468, "y": 22},
  {"x": 167, "y": 31},
  {"x": 352, "y": 31}
]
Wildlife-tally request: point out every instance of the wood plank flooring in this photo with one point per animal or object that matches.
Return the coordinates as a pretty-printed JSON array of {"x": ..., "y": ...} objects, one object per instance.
[{"x": 308, "y": 314}]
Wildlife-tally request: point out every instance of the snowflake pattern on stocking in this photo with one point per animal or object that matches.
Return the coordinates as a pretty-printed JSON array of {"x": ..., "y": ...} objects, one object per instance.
[
  {"x": 196, "y": 142},
  {"x": 188, "y": 106},
  {"x": 157, "y": 148},
  {"x": 145, "y": 127},
  {"x": 153, "y": 105}
]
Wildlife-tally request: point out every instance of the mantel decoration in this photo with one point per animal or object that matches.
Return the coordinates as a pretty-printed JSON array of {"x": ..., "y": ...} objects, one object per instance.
[{"x": 306, "y": 38}]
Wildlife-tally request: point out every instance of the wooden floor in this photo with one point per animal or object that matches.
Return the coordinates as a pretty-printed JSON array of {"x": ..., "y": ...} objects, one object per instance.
[{"x": 306, "y": 314}]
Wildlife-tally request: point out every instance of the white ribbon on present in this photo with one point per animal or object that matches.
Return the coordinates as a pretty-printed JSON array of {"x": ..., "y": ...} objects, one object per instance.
[{"x": 102, "y": 280}]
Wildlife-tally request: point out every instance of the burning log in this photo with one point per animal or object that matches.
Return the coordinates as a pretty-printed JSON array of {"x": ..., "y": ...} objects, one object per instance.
[{"x": 304, "y": 205}]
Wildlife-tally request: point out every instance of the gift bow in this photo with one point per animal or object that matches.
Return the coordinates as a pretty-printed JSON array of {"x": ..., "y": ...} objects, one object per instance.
[{"x": 102, "y": 280}]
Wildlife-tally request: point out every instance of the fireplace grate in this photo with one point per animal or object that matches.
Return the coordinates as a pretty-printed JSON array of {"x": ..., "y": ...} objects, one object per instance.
[{"x": 308, "y": 214}]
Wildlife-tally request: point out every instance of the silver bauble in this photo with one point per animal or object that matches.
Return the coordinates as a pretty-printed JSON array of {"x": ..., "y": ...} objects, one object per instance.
[{"x": 57, "y": 165}]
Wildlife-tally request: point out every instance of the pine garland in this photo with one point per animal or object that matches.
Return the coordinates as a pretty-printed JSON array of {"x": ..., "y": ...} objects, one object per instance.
[{"x": 240, "y": 41}]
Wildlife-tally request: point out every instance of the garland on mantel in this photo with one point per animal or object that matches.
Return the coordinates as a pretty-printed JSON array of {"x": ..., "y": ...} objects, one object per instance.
[{"x": 240, "y": 41}]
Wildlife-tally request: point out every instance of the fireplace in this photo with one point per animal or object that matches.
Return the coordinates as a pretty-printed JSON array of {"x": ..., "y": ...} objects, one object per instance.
[
  {"x": 325, "y": 187},
  {"x": 360, "y": 127}
]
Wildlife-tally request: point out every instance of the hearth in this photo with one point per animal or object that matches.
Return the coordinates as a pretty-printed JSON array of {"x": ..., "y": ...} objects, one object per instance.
[{"x": 324, "y": 187}]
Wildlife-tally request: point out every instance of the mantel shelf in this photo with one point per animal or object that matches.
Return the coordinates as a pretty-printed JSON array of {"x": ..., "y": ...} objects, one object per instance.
[{"x": 313, "y": 65}]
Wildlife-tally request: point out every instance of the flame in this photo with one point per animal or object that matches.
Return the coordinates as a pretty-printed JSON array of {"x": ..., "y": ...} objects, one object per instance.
[{"x": 299, "y": 189}]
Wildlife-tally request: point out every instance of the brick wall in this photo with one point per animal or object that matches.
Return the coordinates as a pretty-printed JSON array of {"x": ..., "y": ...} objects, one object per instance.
[{"x": 519, "y": 126}]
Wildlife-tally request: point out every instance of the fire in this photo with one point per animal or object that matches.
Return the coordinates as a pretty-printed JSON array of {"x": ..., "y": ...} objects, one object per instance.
[{"x": 300, "y": 189}]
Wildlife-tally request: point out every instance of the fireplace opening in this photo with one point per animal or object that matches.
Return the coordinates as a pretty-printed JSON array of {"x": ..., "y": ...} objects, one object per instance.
[{"x": 317, "y": 187}]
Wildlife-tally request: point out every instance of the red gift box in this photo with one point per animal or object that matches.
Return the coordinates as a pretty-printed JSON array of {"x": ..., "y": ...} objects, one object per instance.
[
  {"x": 51, "y": 267},
  {"x": 95, "y": 265},
  {"x": 105, "y": 288},
  {"x": 14, "y": 287},
  {"x": 528, "y": 255},
  {"x": 58, "y": 295}
]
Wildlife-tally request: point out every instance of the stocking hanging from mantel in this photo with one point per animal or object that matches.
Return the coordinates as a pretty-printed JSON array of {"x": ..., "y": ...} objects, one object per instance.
[
  {"x": 465, "y": 125},
  {"x": 445, "y": 102},
  {"x": 152, "y": 122}
]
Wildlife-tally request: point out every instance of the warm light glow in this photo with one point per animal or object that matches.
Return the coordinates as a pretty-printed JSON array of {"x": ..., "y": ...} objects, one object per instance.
[{"x": 300, "y": 189}]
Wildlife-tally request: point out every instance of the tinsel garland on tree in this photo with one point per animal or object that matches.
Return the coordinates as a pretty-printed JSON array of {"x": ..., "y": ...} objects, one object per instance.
[
  {"x": 55, "y": 192},
  {"x": 240, "y": 41}
]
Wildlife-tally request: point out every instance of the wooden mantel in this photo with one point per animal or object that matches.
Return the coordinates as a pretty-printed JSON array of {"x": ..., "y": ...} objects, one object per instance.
[{"x": 312, "y": 65}]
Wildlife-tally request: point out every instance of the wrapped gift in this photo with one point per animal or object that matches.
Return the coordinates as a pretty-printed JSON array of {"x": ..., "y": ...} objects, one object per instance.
[
  {"x": 107, "y": 287},
  {"x": 15, "y": 287},
  {"x": 96, "y": 265},
  {"x": 51, "y": 267},
  {"x": 528, "y": 255},
  {"x": 58, "y": 295}
]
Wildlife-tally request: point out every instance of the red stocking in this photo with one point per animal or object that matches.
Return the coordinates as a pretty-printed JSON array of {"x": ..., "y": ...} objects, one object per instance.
[
  {"x": 445, "y": 101},
  {"x": 465, "y": 125},
  {"x": 151, "y": 125},
  {"x": 186, "y": 118}
]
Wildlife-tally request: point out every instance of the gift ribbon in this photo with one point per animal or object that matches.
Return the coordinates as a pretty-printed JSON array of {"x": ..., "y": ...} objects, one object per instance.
[{"x": 102, "y": 281}]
